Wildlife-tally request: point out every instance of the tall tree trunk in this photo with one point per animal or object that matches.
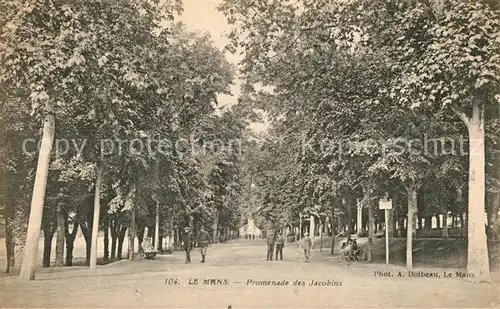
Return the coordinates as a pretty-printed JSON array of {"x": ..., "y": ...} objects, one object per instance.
[
  {"x": 320, "y": 235},
  {"x": 38, "y": 197},
  {"x": 177, "y": 240},
  {"x": 359, "y": 217},
  {"x": 9, "y": 236},
  {"x": 477, "y": 252},
  {"x": 114, "y": 228},
  {"x": 332, "y": 250},
  {"x": 312, "y": 226},
  {"x": 215, "y": 228},
  {"x": 171, "y": 236},
  {"x": 444, "y": 231},
  {"x": 114, "y": 239},
  {"x": 106, "y": 238},
  {"x": 87, "y": 235},
  {"x": 150, "y": 232},
  {"x": 438, "y": 221},
  {"x": 60, "y": 239},
  {"x": 70, "y": 240},
  {"x": 494, "y": 206},
  {"x": 299, "y": 234},
  {"x": 412, "y": 207},
  {"x": 371, "y": 231},
  {"x": 393, "y": 218},
  {"x": 88, "y": 247},
  {"x": 9, "y": 246},
  {"x": 428, "y": 223},
  {"x": 349, "y": 216},
  {"x": 95, "y": 221},
  {"x": 48, "y": 235},
  {"x": 132, "y": 235},
  {"x": 161, "y": 237},
  {"x": 401, "y": 226},
  {"x": 121, "y": 240},
  {"x": 414, "y": 223},
  {"x": 492, "y": 214},
  {"x": 157, "y": 226},
  {"x": 141, "y": 231}
]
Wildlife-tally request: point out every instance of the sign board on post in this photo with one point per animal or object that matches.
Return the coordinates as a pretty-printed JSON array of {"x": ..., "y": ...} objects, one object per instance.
[{"x": 386, "y": 205}]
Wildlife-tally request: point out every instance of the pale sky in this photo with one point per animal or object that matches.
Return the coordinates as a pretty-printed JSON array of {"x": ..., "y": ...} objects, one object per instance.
[{"x": 202, "y": 15}]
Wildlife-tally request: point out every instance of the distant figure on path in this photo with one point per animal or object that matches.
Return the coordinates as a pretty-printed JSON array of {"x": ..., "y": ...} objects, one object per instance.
[
  {"x": 271, "y": 238},
  {"x": 307, "y": 245},
  {"x": 204, "y": 242},
  {"x": 280, "y": 243},
  {"x": 187, "y": 240}
]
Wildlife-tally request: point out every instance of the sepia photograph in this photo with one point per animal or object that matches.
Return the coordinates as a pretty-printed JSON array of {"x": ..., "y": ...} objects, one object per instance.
[{"x": 230, "y": 154}]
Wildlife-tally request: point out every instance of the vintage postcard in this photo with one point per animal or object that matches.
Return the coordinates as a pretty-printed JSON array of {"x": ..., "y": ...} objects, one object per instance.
[{"x": 249, "y": 154}]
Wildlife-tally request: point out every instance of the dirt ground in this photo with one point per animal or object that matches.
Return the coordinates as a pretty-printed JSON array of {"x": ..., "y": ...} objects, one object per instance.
[{"x": 170, "y": 283}]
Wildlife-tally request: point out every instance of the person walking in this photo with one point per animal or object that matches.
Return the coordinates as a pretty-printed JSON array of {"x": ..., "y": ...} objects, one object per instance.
[
  {"x": 307, "y": 245},
  {"x": 280, "y": 243},
  {"x": 271, "y": 239},
  {"x": 203, "y": 242},
  {"x": 187, "y": 240}
]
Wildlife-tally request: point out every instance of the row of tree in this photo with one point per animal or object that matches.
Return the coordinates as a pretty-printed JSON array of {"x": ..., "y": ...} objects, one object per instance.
[
  {"x": 122, "y": 104},
  {"x": 356, "y": 88}
]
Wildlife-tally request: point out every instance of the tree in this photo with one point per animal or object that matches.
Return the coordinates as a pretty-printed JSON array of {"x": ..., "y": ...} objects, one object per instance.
[
  {"x": 16, "y": 170},
  {"x": 56, "y": 85},
  {"x": 456, "y": 72},
  {"x": 406, "y": 63},
  {"x": 45, "y": 89}
]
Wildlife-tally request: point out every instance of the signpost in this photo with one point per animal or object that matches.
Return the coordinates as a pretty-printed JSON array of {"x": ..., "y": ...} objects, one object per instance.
[
  {"x": 300, "y": 227},
  {"x": 386, "y": 204}
]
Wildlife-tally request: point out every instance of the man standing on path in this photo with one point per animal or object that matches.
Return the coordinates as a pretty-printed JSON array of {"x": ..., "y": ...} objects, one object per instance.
[
  {"x": 307, "y": 245},
  {"x": 280, "y": 243},
  {"x": 271, "y": 238},
  {"x": 203, "y": 242},
  {"x": 187, "y": 240}
]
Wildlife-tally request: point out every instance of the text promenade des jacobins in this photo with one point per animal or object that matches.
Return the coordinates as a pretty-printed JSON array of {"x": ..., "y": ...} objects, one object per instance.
[{"x": 252, "y": 282}]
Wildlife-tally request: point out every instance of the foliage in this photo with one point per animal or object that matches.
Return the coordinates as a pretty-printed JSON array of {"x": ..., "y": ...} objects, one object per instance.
[{"x": 350, "y": 84}]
